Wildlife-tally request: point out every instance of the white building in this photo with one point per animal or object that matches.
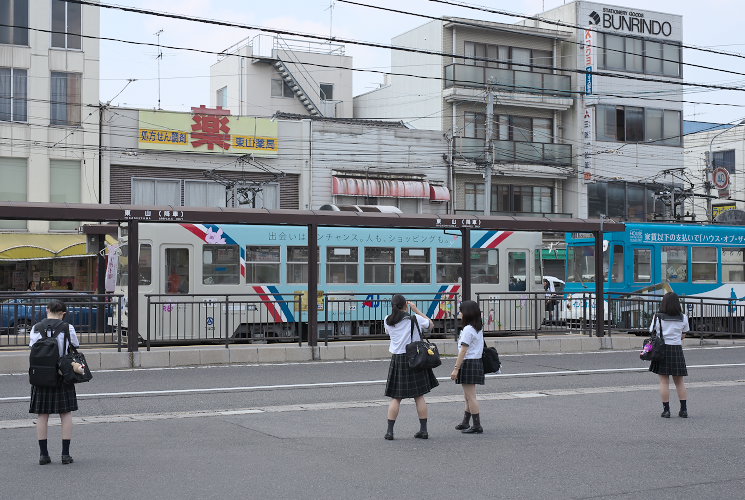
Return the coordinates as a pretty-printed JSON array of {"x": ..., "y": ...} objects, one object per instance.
[
  {"x": 563, "y": 143},
  {"x": 48, "y": 136},
  {"x": 265, "y": 74}
]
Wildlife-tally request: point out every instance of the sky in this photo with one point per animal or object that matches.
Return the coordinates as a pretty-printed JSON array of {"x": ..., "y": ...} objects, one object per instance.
[{"x": 184, "y": 75}]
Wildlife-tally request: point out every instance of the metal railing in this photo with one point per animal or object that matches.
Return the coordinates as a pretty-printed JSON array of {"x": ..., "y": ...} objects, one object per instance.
[
  {"x": 93, "y": 316},
  {"x": 508, "y": 80},
  {"x": 263, "y": 45},
  {"x": 545, "y": 153}
]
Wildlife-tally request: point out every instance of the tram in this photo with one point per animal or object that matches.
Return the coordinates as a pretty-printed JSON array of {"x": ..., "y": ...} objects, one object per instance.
[{"x": 271, "y": 262}]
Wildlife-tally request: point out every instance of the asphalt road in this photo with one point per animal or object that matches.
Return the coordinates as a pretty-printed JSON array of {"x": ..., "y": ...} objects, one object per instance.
[{"x": 556, "y": 426}]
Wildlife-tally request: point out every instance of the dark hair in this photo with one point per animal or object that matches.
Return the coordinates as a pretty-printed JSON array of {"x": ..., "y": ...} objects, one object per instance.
[
  {"x": 56, "y": 306},
  {"x": 671, "y": 304},
  {"x": 398, "y": 304},
  {"x": 471, "y": 315}
]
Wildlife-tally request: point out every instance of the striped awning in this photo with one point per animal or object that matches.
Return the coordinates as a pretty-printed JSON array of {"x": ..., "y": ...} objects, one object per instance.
[
  {"x": 25, "y": 246},
  {"x": 379, "y": 188}
]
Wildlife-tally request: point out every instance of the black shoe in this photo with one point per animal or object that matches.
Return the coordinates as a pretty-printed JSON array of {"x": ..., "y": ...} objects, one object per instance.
[
  {"x": 388, "y": 436},
  {"x": 67, "y": 459},
  {"x": 44, "y": 459},
  {"x": 682, "y": 414},
  {"x": 665, "y": 414},
  {"x": 473, "y": 430},
  {"x": 422, "y": 435},
  {"x": 461, "y": 427}
]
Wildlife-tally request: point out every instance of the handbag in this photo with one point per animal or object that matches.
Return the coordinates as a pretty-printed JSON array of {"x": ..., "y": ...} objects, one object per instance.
[
  {"x": 654, "y": 346},
  {"x": 73, "y": 366},
  {"x": 422, "y": 354},
  {"x": 490, "y": 359}
]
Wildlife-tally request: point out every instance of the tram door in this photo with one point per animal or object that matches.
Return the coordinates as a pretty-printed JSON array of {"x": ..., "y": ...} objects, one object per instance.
[{"x": 173, "y": 313}]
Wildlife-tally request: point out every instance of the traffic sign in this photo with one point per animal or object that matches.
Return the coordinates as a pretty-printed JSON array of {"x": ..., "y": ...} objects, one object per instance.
[{"x": 720, "y": 178}]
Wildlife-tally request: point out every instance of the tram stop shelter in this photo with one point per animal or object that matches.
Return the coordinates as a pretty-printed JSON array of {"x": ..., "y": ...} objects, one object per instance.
[{"x": 133, "y": 216}]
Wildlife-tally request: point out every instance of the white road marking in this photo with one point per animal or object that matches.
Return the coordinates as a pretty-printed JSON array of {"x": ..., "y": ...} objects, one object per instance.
[
  {"x": 149, "y": 417},
  {"x": 165, "y": 392}
]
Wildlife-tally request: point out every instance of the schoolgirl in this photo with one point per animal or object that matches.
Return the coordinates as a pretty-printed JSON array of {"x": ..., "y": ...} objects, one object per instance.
[
  {"x": 469, "y": 370},
  {"x": 403, "y": 382}
]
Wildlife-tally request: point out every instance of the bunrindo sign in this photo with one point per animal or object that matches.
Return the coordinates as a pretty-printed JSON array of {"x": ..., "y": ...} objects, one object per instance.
[{"x": 207, "y": 130}]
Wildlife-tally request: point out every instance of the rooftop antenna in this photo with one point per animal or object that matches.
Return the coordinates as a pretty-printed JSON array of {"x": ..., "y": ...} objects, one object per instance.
[
  {"x": 159, "y": 57},
  {"x": 330, "y": 8}
]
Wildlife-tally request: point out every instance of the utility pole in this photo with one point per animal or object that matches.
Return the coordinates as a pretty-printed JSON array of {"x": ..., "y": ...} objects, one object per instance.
[
  {"x": 489, "y": 150},
  {"x": 707, "y": 183},
  {"x": 159, "y": 58}
]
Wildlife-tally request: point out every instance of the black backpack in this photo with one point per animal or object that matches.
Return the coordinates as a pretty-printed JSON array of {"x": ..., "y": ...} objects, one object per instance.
[{"x": 42, "y": 370}]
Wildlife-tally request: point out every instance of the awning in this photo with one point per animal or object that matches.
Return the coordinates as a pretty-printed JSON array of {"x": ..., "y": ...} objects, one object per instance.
[
  {"x": 381, "y": 188},
  {"x": 439, "y": 193},
  {"x": 25, "y": 246}
]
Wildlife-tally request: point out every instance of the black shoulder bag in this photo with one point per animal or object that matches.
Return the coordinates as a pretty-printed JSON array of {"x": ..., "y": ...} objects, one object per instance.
[
  {"x": 422, "y": 354},
  {"x": 72, "y": 366},
  {"x": 654, "y": 346},
  {"x": 490, "y": 359}
]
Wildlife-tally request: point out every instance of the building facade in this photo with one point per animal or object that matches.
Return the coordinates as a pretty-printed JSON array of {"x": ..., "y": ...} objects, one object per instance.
[{"x": 49, "y": 106}]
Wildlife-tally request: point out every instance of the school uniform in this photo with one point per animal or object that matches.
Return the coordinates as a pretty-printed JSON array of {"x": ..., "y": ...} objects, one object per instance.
[
  {"x": 59, "y": 399},
  {"x": 403, "y": 382},
  {"x": 673, "y": 362},
  {"x": 472, "y": 369}
]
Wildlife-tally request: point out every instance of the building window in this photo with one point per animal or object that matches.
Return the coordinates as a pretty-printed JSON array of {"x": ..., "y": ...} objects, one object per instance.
[
  {"x": 14, "y": 22},
  {"x": 13, "y": 84},
  {"x": 327, "y": 91},
  {"x": 724, "y": 159},
  {"x": 380, "y": 264},
  {"x": 474, "y": 196},
  {"x": 65, "y": 98},
  {"x": 733, "y": 265},
  {"x": 704, "y": 264},
  {"x": 156, "y": 192},
  {"x": 221, "y": 97},
  {"x": 449, "y": 265},
  {"x": 631, "y": 124},
  {"x": 262, "y": 264},
  {"x": 341, "y": 264},
  {"x": 627, "y": 201},
  {"x": 281, "y": 89},
  {"x": 13, "y": 186},
  {"x": 221, "y": 264},
  {"x": 415, "y": 265},
  {"x": 474, "y": 125},
  {"x": 484, "y": 266},
  {"x": 64, "y": 182},
  {"x": 66, "y": 24},
  {"x": 635, "y": 55},
  {"x": 268, "y": 197},
  {"x": 675, "y": 264},
  {"x": 204, "y": 194},
  {"x": 532, "y": 199}
]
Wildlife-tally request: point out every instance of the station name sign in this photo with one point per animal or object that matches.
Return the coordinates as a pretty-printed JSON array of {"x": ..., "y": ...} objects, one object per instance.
[
  {"x": 631, "y": 21},
  {"x": 458, "y": 223},
  {"x": 153, "y": 215}
]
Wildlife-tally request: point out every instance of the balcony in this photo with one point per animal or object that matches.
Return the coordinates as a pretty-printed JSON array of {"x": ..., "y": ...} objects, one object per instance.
[
  {"x": 555, "y": 215},
  {"x": 540, "y": 153},
  {"x": 464, "y": 82}
]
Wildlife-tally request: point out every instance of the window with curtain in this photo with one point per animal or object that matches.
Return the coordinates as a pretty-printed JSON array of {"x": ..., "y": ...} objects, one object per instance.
[
  {"x": 632, "y": 124},
  {"x": 66, "y": 24},
  {"x": 268, "y": 197},
  {"x": 203, "y": 194},
  {"x": 64, "y": 187},
  {"x": 65, "y": 98},
  {"x": 474, "y": 125},
  {"x": 13, "y": 85},
  {"x": 156, "y": 192},
  {"x": 13, "y": 186},
  {"x": 14, "y": 22},
  {"x": 474, "y": 196},
  {"x": 725, "y": 159},
  {"x": 521, "y": 128}
]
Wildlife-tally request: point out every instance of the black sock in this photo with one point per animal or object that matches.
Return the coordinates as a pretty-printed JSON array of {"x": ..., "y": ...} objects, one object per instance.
[
  {"x": 466, "y": 418},
  {"x": 390, "y": 426},
  {"x": 422, "y": 425},
  {"x": 666, "y": 406},
  {"x": 476, "y": 420},
  {"x": 683, "y": 405},
  {"x": 43, "y": 447},
  {"x": 65, "y": 446}
]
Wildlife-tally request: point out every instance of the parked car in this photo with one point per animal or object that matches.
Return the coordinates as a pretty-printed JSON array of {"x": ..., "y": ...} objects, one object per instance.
[{"x": 21, "y": 311}]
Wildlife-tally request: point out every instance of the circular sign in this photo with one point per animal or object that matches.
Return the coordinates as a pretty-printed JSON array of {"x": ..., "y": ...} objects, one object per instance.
[{"x": 720, "y": 178}]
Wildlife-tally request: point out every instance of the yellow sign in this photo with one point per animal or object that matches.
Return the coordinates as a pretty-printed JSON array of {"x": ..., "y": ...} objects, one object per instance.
[
  {"x": 304, "y": 299},
  {"x": 208, "y": 130},
  {"x": 718, "y": 209}
]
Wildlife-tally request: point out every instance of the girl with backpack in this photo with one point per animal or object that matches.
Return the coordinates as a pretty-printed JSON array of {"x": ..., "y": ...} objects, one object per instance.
[
  {"x": 403, "y": 382},
  {"x": 60, "y": 398},
  {"x": 469, "y": 370}
]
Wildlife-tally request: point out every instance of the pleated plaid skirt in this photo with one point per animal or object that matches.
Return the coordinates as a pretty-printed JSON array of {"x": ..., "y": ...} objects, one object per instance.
[
  {"x": 672, "y": 363},
  {"x": 471, "y": 372},
  {"x": 60, "y": 399},
  {"x": 403, "y": 382}
]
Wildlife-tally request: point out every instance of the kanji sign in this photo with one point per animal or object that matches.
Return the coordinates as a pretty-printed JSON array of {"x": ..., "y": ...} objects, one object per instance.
[{"x": 210, "y": 127}]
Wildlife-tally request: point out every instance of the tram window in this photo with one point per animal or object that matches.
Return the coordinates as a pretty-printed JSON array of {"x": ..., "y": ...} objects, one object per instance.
[
  {"x": 262, "y": 264},
  {"x": 642, "y": 265},
  {"x": 733, "y": 265},
  {"x": 177, "y": 270},
  {"x": 341, "y": 265},
  {"x": 675, "y": 264},
  {"x": 481, "y": 271},
  {"x": 297, "y": 265},
  {"x": 704, "y": 264},
  {"x": 581, "y": 263},
  {"x": 415, "y": 265},
  {"x": 380, "y": 265},
  {"x": 221, "y": 264},
  {"x": 145, "y": 265},
  {"x": 516, "y": 268},
  {"x": 617, "y": 273},
  {"x": 449, "y": 265}
]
